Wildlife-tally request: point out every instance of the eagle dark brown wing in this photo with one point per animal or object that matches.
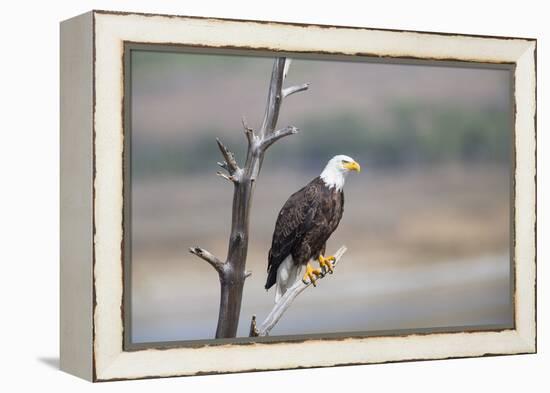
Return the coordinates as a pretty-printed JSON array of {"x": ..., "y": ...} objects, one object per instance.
[{"x": 294, "y": 221}]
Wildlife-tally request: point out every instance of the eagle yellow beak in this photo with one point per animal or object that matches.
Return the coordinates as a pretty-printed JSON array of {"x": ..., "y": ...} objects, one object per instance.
[{"x": 352, "y": 166}]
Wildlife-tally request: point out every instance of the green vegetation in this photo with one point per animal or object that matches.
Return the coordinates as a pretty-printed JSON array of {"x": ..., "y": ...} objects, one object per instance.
[{"x": 411, "y": 134}]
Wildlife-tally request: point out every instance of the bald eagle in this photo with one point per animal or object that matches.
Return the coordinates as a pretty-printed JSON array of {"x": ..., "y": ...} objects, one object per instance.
[{"x": 305, "y": 223}]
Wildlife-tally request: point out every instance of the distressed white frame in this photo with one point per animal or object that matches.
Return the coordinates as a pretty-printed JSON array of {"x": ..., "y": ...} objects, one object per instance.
[{"x": 111, "y": 30}]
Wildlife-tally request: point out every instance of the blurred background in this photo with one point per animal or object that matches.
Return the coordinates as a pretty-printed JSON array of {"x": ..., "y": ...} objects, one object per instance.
[{"x": 426, "y": 222}]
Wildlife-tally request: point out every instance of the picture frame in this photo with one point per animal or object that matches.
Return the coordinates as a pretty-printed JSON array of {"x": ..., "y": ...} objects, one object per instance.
[{"x": 93, "y": 187}]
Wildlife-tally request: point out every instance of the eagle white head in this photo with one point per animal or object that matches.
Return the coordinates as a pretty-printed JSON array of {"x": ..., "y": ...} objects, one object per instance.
[{"x": 334, "y": 174}]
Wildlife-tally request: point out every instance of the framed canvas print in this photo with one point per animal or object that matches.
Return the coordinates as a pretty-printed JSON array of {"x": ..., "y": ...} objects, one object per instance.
[{"x": 246, "y": 195}]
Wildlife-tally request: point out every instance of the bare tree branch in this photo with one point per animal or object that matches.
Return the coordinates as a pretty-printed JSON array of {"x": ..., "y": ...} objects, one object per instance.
[
  {"x": 274, "y": 137},
  {"x": 294, "y": 89},
  {"x": 232, "y": 272},
  {"x": 229, "y": 157},
  {"x": 275, "y": 96},
  {"x": 223, "y": 165},
  {"x": 286, "y": 67},
  {"x": 208, "y": 257},
  {"x": 249, "y": 132},
  {"x": 286, "y": 301},
  {"x": 230, "y": 178}
]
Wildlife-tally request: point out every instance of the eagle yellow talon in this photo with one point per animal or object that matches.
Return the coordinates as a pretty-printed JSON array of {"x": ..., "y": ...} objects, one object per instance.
[
  {"x": 311, "y": 274},
  {"x": 326, "y": 263}
]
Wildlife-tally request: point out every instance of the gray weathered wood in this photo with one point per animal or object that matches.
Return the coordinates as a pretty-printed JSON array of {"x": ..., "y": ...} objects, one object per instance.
[
  {"x": 232, "y": 272},
  {"x": 286, "y": 301}
]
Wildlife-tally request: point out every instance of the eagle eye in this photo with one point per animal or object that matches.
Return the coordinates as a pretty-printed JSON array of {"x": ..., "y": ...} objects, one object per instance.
[{"x": 345, "y": 162}]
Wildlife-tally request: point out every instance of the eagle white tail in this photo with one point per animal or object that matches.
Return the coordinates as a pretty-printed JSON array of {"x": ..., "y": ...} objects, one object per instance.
[{"x": 286, "y": 276}]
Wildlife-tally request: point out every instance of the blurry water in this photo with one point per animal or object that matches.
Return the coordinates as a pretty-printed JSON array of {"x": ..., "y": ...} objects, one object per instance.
[{"x": 468, "y": 292}]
